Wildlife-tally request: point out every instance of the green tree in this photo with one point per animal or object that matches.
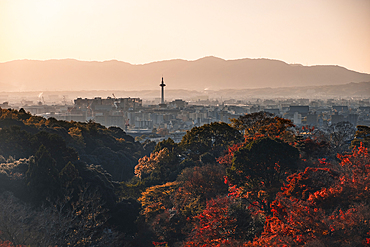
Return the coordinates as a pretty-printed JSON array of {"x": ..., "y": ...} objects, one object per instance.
[
  {"x": 70, "y": 180},
  {"x": 169, "y": 144},
  {"x": 42, "y": 177},
  {"x": 15, "y": 142},
  {"x": 56, "y": 146},
  {"x": 213, "y": 138},
  {"x": 265, "y": 160},
  {"x": 260, "y": 168}
]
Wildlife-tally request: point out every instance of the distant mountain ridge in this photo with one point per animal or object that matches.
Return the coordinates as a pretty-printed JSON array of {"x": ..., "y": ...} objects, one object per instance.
[{"x": 206, "y": 73}]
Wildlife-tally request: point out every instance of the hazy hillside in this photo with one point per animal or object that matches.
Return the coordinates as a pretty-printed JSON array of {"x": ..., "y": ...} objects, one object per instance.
[{"x": 206, "y": 73}]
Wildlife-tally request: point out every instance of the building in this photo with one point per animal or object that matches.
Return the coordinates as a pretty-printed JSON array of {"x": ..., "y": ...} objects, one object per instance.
[
  {"x": 340, "y": 108},
  {"x": 297, "y": 119},
  {"x": 336, "y": 118},
  {"x": 352, "y": 118},
  {"x": 301, "y": 109},
  {"x": 311, "y": 119}
]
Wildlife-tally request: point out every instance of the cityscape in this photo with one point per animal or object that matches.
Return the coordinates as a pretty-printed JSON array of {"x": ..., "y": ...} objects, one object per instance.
[
  {"x": 169, "y": 123},
  {"x": 160, "y": 119}
]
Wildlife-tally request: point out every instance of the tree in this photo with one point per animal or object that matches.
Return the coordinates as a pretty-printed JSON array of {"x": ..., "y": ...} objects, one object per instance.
[
  {"x": 326, "y": 206},
  {"x": 156, "y": 199},
  {"x": 213, "y": 138},
  {"x": 167, "y": 207},
  {"x": 362, "y": 136},
  {"x": 42, "y": 177},
  {"x": 340, "y": 135},
  {"x": 15, "y": 218},
  {"x": 71, "y": 181},
  {"x": 222, "y": 223},
  {"x": 56, "y": 146},
  {"x": 265, "y": 124},
  {"x": 158, "y": 215},
  {"x": 196, "y": 186},
  {"x": 265, "y": 160},
  {"x": 227, "y": 159},
  {"x": 15, "y": 142},
  {"x": 314, "y": 146},
  {"x": 207, "y": 158},
  {"x": 250, "y": 123},
  {"x": 62, "y": 223},
  {"x": 260, "y": 168},
  {"x": 76, "y": 134},
  {"x": 169, "y": 144},
  {"x": 302, "y": 185},
  {"x": 161, "y": 166}
]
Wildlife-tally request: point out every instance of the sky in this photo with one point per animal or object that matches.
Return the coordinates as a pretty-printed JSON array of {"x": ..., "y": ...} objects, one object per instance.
[{"x": 308, "y": 32}]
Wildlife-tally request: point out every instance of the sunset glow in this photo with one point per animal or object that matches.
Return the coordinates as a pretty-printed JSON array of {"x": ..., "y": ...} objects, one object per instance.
[{"x": 307, "y": 32}]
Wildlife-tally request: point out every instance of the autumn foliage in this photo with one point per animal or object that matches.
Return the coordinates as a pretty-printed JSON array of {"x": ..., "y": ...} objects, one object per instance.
[
  {"x": 258, "y": 181},
  {"x": 323, "y": 206},
  {"x": 215, "y": 226},
  {"x": 281, "y": 192},
  {"x": 9, "y": 244}
]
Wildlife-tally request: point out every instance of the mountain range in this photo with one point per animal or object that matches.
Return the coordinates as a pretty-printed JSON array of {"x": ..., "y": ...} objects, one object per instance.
[{"x": 208, "y": 73}]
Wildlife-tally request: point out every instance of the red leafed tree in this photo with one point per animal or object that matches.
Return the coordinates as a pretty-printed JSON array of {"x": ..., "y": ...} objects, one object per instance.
[
  {"x": 215, "y": 226},
  {"x": 9, "y": 244},
  {"x": 323, "y": 207},
  {"x": 197, "y": 185},
  {"x": 259, "y": 168},
  {"x": 227, "y": 159},
  {"x": 301, "y": 185}
]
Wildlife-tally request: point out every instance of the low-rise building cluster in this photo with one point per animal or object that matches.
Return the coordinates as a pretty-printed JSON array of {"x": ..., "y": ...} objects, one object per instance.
[{"x": 174, "y": 118}]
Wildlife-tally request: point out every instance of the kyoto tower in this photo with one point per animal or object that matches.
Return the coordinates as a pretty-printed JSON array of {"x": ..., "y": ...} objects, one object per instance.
[{"x": 162, "y": 95}]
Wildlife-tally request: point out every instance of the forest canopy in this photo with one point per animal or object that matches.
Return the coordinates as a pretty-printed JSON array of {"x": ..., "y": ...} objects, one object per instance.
[{"x": 258, "y": 181}]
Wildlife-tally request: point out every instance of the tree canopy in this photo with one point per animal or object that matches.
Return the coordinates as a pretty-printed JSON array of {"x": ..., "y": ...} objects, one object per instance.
[
  {"x": 68, "y": 183},
  {"x": 213, "y": 138},
  {"x": 264, "y": 161}
]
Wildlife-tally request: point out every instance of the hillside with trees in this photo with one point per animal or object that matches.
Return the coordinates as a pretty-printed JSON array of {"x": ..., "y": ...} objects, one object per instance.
[{"x": 258, "y": 181}]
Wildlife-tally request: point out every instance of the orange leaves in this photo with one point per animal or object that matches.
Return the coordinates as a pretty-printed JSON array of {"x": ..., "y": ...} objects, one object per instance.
[
  {"x": 148, "y": 164},
  {"x": 156, "y": 199}
]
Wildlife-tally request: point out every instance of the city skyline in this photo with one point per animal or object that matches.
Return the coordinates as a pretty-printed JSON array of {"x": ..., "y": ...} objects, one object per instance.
[{"x": 139, "y": 32}]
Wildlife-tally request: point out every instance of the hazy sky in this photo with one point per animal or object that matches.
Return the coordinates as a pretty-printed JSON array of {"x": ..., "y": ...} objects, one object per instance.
[{"x": 309, "y": 32}]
